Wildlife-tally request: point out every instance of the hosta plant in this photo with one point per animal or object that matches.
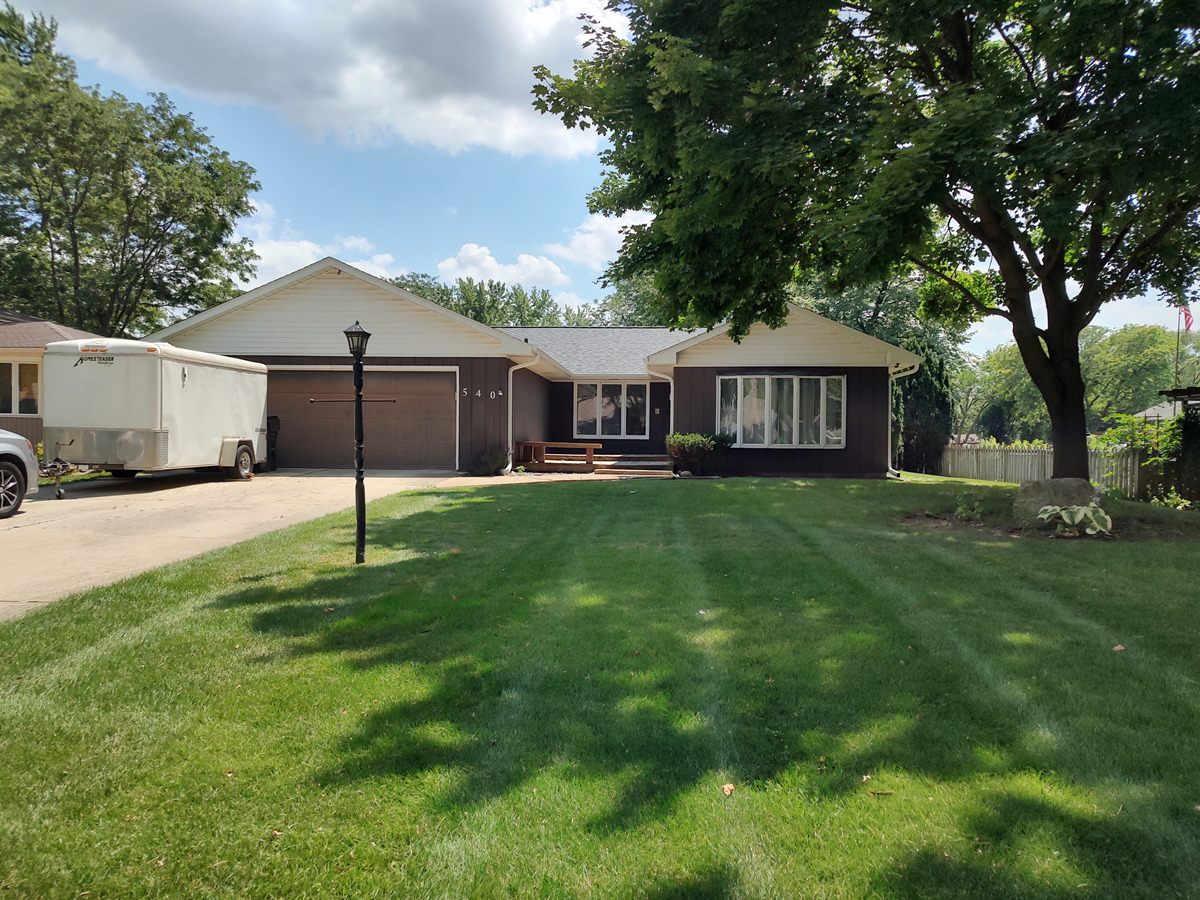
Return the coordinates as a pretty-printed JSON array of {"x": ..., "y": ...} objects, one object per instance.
[{"x": 1072, "y": 521}]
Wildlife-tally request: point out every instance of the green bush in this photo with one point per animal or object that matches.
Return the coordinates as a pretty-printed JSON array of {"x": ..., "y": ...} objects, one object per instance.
[
  {"x": 488, "y": 462},
  {"x": 695, "y": 452}
]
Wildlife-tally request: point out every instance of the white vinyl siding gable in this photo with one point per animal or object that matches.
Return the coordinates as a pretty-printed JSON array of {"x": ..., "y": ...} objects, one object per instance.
[
  {"x": 307, "y": 319},
  {"x": 788, "y": 346},
  {"x": 807, "y": 339}
]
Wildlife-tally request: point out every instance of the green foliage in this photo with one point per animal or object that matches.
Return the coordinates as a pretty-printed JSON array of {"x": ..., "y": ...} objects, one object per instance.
[
  {"x": 969, "y": 508},
  {"x": 993, "y": 444},
  {"x": 1171, "y": 500},
  {"x": 489, "y": 302},
  {"x": 1160, "y": 440},
  {"x": 694, "y": 452},
  {"x": 487, "y": 463},
  {"x": 114, "y": 217},
  {"x": 633, "y": 301},
  {"x": 1123, "y": 370},
  {"x": 1073, "y": 521},
  {"x": 1017, "y": 152},
  {"x": 681, "y": 445}
]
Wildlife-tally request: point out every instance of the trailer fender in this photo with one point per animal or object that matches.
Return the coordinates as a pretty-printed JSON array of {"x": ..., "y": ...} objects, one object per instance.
[{"x": 229, "y": 448}]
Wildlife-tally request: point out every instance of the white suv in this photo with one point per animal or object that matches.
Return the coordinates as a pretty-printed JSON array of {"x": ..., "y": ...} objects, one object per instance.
[{"x": 18, "y": 472}]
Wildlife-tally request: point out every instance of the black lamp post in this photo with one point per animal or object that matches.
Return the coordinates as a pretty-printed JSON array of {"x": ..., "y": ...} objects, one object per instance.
[{"x": 357, "y": 337}]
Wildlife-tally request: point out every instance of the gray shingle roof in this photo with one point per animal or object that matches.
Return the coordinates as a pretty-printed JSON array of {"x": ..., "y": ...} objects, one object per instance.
[
  {"x": 1168, "y": 409},
  {"x": 600, "y": 350},
  {"x": 18, "y": 330}
]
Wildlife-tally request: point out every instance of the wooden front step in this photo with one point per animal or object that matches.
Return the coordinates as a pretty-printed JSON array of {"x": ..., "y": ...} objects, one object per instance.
[
  {"x": 555, "y": 466},
  {"x": 644, "y": 464},
  {"x": 612, "y": 462}
]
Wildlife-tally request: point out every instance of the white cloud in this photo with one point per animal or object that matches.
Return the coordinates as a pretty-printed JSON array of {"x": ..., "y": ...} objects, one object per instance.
[
  {"x": 474, "y": 261},
  {"x": 283, "y": 251},
  {"x": 452, "y": 74},
  {"x": 597, "y": 240},
  {"x": 1139, "y": 311},
  {"x": 567, "y": 298}
]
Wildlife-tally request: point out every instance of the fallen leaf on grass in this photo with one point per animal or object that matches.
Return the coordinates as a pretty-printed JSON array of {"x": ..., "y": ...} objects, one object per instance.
[
  {"x": 728, "y": 789},
  {"x": 881, "y": 793},
  {"x": 866, "y": 778},
  {"x": 1118, "y": 648}
]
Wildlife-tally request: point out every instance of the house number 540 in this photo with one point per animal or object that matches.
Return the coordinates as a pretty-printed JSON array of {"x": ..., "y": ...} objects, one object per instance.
[{"x": 492, "y": 395}]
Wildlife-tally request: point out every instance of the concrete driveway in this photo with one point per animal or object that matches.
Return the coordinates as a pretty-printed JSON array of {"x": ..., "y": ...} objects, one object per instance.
[{"x": 109, "y": 529}]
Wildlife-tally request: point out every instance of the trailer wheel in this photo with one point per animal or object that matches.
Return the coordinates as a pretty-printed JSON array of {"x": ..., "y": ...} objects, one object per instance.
[
  {"x": 12, "y": 488},
  {"x": 243, "y": 463}
]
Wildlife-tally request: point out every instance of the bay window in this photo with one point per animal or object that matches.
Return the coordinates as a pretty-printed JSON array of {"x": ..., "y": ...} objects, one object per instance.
[
  {"x": 611, "y": 410},
  {"x": 781, "y": 410}
]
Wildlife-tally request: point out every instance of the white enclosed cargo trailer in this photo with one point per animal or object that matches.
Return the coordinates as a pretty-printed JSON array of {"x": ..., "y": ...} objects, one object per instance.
[{"x": 129, "y": 407}]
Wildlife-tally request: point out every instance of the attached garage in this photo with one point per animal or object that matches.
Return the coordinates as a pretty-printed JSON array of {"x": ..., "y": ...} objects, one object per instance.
[{"x": 418, "y": 431}]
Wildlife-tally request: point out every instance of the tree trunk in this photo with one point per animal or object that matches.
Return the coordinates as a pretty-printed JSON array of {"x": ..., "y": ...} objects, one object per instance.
[
  {"x": 1068, "y": 430},
  {"x": 1053, "y": 364}
]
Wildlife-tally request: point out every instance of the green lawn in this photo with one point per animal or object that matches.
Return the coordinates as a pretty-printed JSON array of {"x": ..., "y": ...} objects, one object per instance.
[{"x": 537, "y": 690}]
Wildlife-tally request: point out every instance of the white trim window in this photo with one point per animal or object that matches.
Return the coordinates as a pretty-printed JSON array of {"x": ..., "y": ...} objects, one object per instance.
[
  {"x": 782, "y": 410},
  {"x": 20, "y": 388},
  {"x": 612, "y": 410}
]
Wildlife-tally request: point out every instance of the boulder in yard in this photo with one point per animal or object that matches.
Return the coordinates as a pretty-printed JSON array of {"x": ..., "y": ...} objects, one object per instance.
[{"x": 1033, "y": 495}]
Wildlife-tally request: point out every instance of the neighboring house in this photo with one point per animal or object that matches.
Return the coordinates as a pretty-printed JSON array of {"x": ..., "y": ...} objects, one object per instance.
[
  {"x": 22, "y": 339},
  {"x": 1160, "y": 412},
  {"x": 811, "y": 397}
]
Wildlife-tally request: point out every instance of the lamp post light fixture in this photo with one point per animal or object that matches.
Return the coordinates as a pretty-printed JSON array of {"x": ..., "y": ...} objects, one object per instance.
[{"x": 356, "y": 337}]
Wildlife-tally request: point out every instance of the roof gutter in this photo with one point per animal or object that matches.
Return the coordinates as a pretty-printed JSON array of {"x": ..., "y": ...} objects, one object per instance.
[{"x": 899, "y": 373}]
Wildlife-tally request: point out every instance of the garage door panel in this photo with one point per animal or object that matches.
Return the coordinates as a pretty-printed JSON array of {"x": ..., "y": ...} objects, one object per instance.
[{"x": 417, "y": 431}]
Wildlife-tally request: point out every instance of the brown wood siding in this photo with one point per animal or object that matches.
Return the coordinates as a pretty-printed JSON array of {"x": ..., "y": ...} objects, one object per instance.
[
  {"x": 866, "y": 411},
  {"x": 531, "y": 407},
  {"x": 482, "y": 393},
  {"x": 26, "y": 426},
  {"x": 562, "y": 420}
]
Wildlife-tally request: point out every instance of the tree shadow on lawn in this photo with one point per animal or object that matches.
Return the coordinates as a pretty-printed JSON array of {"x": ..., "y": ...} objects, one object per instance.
[
  {"x": 621, "y": 651},
  {"x": 1098, "y": 856}
]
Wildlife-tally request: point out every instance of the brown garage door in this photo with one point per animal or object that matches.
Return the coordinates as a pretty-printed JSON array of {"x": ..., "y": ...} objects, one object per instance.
[{"x": 417, "y": 431}]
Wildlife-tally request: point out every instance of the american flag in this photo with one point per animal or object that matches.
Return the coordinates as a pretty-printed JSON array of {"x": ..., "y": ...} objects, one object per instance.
[{"x": 1187, "y": 318}]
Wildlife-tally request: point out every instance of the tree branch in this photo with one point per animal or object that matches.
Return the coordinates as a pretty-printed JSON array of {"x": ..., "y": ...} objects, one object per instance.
[
  {"x": 966, "y": 292},
  {"x": 1020, "y": 57},
  {"x": 1147, "y": 246}
]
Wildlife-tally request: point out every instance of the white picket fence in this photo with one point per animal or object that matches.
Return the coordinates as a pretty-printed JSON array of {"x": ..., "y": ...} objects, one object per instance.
[{"x": 1117, "y": 469}]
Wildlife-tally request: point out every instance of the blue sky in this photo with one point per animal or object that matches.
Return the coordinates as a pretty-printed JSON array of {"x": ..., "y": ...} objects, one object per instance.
[{"x": 396, "y": 135}]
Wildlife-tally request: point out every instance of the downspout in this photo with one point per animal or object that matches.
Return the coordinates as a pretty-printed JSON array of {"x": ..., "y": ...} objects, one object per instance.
[
  {"x": 671, "y": 412},
  {"x": 512, "y": 444},
  {"x": 900, "y": 373}
]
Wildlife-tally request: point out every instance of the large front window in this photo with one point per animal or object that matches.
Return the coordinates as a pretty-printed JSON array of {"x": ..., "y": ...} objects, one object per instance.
[
  {"x": 19, "y": 388},
  {"x": 781, "y": 410},
  {"x": 611, "y": 410}
]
